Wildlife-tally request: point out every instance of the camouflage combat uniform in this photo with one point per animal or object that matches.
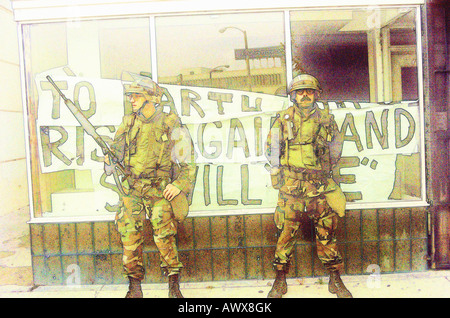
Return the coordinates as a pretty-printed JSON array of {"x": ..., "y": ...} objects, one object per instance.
[
  {"x": 301, "y": 149},
  {"x": 156, "y": 151}
]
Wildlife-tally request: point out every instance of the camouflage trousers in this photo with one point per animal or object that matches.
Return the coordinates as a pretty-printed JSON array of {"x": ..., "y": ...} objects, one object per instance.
[
  {"x": 146, "y": 200},
  {"x": 288, "y": 217}
]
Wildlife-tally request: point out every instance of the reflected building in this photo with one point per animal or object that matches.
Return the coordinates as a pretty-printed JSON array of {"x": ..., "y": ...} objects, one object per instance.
[{"x": 267, "y": 73}]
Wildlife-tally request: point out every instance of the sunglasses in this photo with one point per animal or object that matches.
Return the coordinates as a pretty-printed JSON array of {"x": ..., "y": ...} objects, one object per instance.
[
  {"x": 308, "y": 91},
  {"x": 134, "y": 95}
]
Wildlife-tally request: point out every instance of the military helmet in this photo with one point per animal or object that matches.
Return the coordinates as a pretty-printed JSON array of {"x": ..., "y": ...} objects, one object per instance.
[
  {"x": 146, "y": 86},
  {"x": 303, "y": 81}
]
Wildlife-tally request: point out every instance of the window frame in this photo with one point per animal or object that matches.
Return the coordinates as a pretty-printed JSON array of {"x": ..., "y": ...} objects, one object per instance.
[{"x": 31, "y": 13}]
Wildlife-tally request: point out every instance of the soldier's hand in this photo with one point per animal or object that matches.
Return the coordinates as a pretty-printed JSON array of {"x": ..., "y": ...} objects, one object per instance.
[
  {"x": 109, "y": 169},
  {"x": 171, "y": 192}
]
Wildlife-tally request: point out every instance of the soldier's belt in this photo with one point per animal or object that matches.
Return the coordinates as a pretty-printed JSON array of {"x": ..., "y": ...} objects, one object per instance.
[
  {"x": 151, "y": 175},
  {"x": 305, "y": 174}
]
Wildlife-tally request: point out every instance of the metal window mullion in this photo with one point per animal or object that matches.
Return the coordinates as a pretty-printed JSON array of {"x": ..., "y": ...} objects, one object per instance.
[
  {"x": 153, "y": 54},
  {"x": 24, "y": 37},
  {"x": 420, "y": 79},
  {"x": 288, "y": 46}
]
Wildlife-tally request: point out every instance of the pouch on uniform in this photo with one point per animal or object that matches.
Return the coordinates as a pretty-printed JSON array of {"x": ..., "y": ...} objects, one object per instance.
[
  {"x": 333, "y": 195},
  {"x": 275, "y": 178},
  {"x": 279, "y": 214},
  {"x": 308, "y": 155},
  {"x": 336, "y": 198},
  {"x": 180, "y": 207}
]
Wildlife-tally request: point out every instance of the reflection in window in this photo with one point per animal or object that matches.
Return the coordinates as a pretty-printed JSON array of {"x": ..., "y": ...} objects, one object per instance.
[
  {"x": 233, "y": 51},
  {"x": 124, "y": 46},
  {"x": 86, "y": 59},
  {"x": 366, "y": 61},
  {"x": 355, "y": 53},
  {"x": 102, "y": 49},
  {"x": 48, "y": 46}
]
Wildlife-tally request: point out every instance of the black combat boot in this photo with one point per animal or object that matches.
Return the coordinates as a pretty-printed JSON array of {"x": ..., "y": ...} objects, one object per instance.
[
  {"x": 174, "y": 287},
  {"x": 279, "y": 287},
  {"x": 134, "y": 289},
  {"x": 336, "y": 286}
]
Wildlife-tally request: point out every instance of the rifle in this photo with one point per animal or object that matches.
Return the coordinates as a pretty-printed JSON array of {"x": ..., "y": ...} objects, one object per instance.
[{"x": 117, "y": 167}]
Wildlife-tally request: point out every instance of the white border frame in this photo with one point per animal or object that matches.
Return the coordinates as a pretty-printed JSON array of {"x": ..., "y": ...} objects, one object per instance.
[{"x": 27, "y": 12}]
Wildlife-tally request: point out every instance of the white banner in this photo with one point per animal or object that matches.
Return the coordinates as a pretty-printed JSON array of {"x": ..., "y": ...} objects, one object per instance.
[{"x": 229, "y": 130}]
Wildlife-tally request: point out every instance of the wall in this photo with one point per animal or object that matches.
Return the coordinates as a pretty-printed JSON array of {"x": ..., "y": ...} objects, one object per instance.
[
  {"x": 212, "y": 248},
  {"x": 15, "y": 260},
  {"x": 231, "y": 248}
]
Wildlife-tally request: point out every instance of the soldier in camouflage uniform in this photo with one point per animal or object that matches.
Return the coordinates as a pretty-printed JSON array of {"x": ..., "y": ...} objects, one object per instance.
[
  {"x": 158, "y": 154},
  {"x": 303, "y": 145}
]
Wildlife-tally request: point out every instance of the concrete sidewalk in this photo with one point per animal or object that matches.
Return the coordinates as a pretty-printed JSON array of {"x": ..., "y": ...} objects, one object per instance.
[{"x": 429, "y": 284}]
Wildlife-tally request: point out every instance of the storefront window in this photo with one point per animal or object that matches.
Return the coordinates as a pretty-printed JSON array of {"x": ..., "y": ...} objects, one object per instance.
[
  {"x": 223, "y": 73},
  {"x": 226, "y": 75},
  {"x": 86, "y": 60},
  {"x": 366, "y": 61},
  {"x": 232, "y": 51}
]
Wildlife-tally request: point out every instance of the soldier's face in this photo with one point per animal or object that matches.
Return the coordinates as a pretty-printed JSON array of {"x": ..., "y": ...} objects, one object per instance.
[
  {"x": 305, "y": 98},
  {"x": 137, "y": 101}
]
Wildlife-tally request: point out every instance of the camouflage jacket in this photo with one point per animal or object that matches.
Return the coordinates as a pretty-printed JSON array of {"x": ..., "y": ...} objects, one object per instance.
[
  {"x": 299, "y": 142},
  {"x": 158, "y": 146}
]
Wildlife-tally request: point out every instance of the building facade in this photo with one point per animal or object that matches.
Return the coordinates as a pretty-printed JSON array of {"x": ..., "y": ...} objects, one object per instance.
[{"x": 225, "y": 69}]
